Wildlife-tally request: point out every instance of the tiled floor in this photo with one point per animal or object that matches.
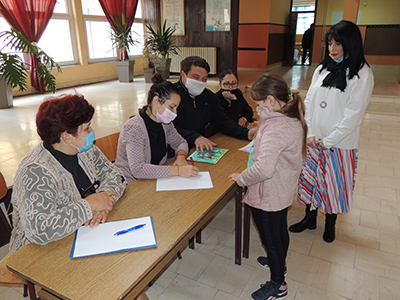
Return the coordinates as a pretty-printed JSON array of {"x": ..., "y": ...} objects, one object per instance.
[{"x": 362, "y": 263}]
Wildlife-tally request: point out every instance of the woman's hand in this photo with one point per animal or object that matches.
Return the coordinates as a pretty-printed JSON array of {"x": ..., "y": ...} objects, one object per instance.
[
  {"x": 228, "y": 95},
  {"x": 234, "y": 176},
  {"x": 320, "y": 144},
  {"x": 102, "y": 201},
  {"x": 98, "y": 217},
  {"x": 252, "y": 133},
  {"x": 188, "y": 171},
  {"x": 180, "y": 160},
  {"x": 312, "y": 143}
]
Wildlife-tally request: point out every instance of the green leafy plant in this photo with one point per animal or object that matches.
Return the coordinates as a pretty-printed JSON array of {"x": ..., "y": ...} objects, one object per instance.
[
  {"x": 122, "y": 37},
  {"x": 150, "y": 55},
  {"x": 161, "y": 40},
  {"x": 13, "y": 68}
]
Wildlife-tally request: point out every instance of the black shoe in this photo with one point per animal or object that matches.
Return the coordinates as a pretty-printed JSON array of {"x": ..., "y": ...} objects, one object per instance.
[
  {"x": 329, "y": 233},
  {"x": 269, "y": 291},
  {"x": 263, "y": 262},
  {"x": 308, "y": 222}
]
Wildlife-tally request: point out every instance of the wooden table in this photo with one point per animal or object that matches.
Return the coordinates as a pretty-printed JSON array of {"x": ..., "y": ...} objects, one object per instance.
[{"x": 177, "y": 216}]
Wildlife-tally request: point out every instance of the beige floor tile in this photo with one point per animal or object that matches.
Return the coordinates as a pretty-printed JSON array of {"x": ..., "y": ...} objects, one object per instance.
[
  {"x": 219, "y": 243},
  {"x": 225, "y": 276},
  {"x": 352, "y": 284},
  {"x": 367, "y": 203},
  {"x": 308, "y": 270},
  {"x": 225, "y": 296},
  {"x": 380, "y": 192},
  {"x": 358, "y": 235},
  {"x": 380, "y": 221},
  {"x": 160, "y": 284},
  {"x": 378, "y": 262},
  {"x": 306, "y": 292},
  {"x": 390, "y": 242},
  {"x": 183, "y": 288},
  {"x": 339, "y": 252},
  {"x": 192, "y": 264},
  {"x": 389, "y": 289}
]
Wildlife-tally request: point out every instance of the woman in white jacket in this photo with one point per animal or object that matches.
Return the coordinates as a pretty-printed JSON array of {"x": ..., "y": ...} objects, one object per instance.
[
  {"x": 274, "y": 168},
  {"x": 335, "y": 105}
]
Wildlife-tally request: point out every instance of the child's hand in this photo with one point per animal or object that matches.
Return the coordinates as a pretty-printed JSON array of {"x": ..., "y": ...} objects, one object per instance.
[{"x": 234, "y": 176}]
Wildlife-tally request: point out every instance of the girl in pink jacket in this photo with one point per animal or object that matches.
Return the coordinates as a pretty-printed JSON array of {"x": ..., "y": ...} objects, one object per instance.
[{"x": 271, "y": 180}]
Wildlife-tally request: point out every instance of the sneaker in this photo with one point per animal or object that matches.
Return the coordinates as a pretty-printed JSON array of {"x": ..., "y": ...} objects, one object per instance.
[
  {"x": 263, "y": 262},
  {"x": 270, "y": 291}
]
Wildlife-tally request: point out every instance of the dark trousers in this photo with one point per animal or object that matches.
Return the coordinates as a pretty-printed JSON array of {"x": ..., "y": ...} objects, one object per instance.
[{"x": 273, "y": 230}]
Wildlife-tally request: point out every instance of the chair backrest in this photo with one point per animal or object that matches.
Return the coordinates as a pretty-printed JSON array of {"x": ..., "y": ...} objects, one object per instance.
[
  {"x": 108, "y": 145},
  {"x": 3, "y": 186}
]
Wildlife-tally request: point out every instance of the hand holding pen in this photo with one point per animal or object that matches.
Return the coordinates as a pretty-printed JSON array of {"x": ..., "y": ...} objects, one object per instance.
[{"x": 188, "y": 170}]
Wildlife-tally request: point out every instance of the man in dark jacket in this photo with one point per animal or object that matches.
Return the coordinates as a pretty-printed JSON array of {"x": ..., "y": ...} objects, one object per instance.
[
  {"x": 306, "y": 43},
  {"x": 199, "y": 107}
]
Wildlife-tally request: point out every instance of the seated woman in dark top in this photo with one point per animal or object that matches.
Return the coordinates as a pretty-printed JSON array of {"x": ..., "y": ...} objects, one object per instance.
[{"x": 232, "y": 100}]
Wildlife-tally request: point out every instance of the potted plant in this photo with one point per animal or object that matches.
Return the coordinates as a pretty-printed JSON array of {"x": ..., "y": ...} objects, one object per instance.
[
  {"x": 122, "y": 40},
  {"x": 13, "y": 71},
  {"x": 149, "y": 55},
  {"x": 163, "y": 44}
]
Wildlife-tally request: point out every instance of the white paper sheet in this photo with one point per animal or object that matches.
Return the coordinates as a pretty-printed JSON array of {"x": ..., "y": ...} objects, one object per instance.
[
  {"x": 201, "y": 181},
  {"x": 101, "y": 239}
]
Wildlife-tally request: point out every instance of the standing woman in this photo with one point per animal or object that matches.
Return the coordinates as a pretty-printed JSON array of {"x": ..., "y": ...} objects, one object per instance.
[
  {"x": 144, "y": 139},
  {"x": 335, "y": 105},
  {"x": 232, "y": 100}
]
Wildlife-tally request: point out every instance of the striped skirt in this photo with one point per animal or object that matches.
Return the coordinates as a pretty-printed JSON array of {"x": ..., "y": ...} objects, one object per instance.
[{"x": 327, "y": 179}]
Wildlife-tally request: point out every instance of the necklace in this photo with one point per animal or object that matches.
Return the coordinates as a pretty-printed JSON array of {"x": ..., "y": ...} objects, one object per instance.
[{"x": 322, "y": 104}]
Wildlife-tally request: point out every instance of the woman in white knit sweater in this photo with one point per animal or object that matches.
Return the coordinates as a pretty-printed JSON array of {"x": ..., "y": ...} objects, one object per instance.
[{"x": 335, "y": 105}]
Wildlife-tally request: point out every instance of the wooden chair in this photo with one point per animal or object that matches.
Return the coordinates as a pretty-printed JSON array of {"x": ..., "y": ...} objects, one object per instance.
[
  {"x": 108, "y": 145},
  {"x": 8, "y": 278}
]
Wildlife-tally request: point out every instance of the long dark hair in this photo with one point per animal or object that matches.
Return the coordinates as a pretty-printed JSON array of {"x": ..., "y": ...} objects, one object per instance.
[
  {"x": 275, "y": 85},
  {"x": 348, "y": 34}
]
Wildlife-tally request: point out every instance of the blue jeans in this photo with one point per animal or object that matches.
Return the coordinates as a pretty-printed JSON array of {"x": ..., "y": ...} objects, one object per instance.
[{"x": 273, "y": 230}]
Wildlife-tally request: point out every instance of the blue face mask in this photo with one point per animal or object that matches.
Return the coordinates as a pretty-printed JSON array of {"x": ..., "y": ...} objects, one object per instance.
[
  {"x": 339, "y": 60},
  {"x": 89, "y": 139}
]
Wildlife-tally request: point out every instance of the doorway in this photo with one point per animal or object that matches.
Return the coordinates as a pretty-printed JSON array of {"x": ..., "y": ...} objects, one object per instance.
[{"x": 305, "y": 10}]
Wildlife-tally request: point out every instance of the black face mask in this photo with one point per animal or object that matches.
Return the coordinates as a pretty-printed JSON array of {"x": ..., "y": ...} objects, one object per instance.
[{"x": 232, "y": 91}]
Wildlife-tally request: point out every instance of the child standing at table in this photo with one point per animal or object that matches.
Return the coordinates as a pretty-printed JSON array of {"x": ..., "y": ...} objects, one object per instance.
[{"x": 271, "y": 180}]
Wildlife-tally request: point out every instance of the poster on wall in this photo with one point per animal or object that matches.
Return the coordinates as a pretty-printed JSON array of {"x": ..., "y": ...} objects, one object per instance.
[
  {"x": 218, "y": 15},
  {"x": 173, "y": 12}
]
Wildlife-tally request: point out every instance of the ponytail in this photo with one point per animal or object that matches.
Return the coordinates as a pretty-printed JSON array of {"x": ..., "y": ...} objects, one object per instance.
[{"x": 295, "y": 108}]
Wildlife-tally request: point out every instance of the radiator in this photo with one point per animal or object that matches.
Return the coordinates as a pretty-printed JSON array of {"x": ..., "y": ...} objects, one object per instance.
[{"x": 208, "y": 53}]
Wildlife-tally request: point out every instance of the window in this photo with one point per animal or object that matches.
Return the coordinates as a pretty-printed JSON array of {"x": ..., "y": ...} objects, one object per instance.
[
  {"x": 99, "y": 32},
  {"x": 58, "y": 39}
]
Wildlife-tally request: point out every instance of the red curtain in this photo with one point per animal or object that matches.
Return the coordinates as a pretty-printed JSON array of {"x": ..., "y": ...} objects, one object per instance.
[
  {"x": 30, "y": 17},
  {"x": 115, "y": 8}
]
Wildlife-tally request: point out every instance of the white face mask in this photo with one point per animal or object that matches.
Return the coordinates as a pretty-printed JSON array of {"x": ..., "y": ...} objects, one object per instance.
[
  {"x": 166, "y": 117},
  {"x": 195, "y": 87}
]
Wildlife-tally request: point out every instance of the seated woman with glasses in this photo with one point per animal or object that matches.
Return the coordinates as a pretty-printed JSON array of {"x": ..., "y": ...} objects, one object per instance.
[
  {"x": 232, "y": 100},
  {"x": 65, "y": 181}
]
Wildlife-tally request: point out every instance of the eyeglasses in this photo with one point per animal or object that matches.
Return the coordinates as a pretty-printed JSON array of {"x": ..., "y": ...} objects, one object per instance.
[
  {"x": 90, "y": 190},
  {"x": 230, "y": 84}
]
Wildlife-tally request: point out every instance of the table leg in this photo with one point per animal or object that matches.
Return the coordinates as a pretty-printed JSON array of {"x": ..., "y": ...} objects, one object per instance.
[
  {"x": 32, "y": 291},
  {"x": 238, "y": 225},
  {"x": 246, "y": 231},
  {"x": 191, "y": 243},
  {"x": 198, "y": 237}
]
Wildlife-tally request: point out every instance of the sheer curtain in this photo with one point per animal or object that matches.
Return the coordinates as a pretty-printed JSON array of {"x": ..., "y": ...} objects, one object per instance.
[
  {"x": 121, "y": 10},
  {"x": 30, "y": 17}
]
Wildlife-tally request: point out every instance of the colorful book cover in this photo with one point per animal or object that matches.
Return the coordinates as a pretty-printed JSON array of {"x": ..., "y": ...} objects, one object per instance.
[{"x": 208, "y": 156}]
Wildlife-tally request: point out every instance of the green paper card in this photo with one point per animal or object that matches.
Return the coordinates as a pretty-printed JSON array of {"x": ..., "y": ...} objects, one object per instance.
[{"x": 208, "y": 156}]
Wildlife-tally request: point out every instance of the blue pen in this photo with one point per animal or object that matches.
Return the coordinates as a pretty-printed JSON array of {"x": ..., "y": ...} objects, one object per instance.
[{"x": 130, "y": 229}]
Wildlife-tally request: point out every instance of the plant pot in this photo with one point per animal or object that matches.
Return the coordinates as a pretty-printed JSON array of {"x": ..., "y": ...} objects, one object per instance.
[
  {"x": 163, "y": 72},
  {"x": 148, "y": 73},
  {"x": 125, "y": 70},
  {"x": 6, "y": 96},
  {"x": 163, "y": 64}
]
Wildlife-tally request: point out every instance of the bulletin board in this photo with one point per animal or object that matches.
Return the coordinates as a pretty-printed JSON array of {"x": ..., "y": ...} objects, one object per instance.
[{"x": 173, "y": 11}]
